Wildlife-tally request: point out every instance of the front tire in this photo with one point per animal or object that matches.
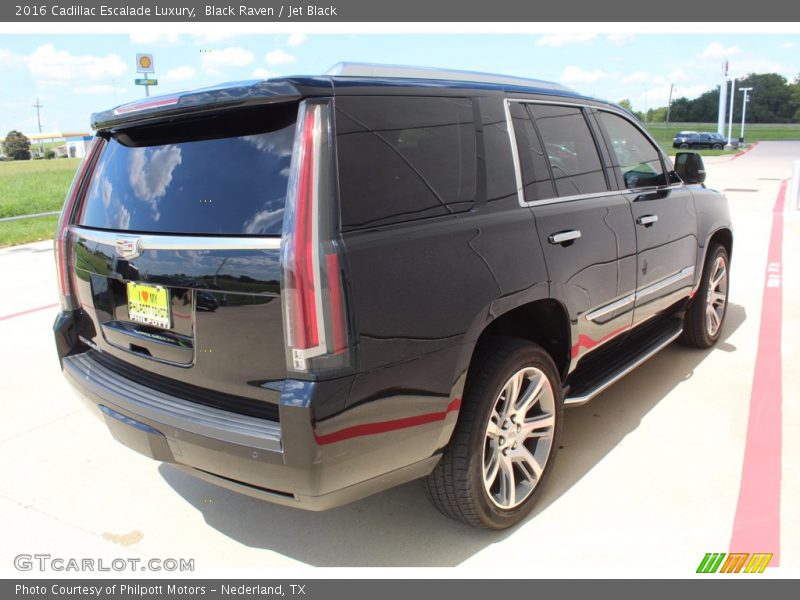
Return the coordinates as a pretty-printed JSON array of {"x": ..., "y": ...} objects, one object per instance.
[
  {"x": 684, "y": 146},
  {"x": 504, "y": 444},
  {"x": 706, "y": 314}
]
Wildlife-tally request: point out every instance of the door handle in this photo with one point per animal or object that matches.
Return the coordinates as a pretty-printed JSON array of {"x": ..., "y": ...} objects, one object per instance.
[
  {"x": 564, "y": 237},
  {"x": 647, "y": 220}
]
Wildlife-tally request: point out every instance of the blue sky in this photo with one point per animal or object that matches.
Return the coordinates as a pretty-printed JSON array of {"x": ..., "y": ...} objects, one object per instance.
[{"x": 74, "y": 75}]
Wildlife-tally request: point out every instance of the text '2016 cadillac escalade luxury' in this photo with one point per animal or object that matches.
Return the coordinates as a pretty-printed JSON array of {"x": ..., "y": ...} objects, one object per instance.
[{"x": 311, "y": 289}]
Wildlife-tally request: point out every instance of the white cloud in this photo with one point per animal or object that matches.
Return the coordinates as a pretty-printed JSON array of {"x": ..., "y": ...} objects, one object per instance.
[
  {"x": 636, "y": 77},
  {"x": 182, "y": 73},
  {"x": 784, "y": 45},
  {"x": 95, "y": 89},
  {"x": 213, "y": 37},
  {"x": 619, "y": 39},
  {"x": 279, "y": 57},
  {"x": 155, "y": 37},
  {"x": 297, "y": 38},
  {"x": 263, "y": 73},
  {"x": 716, "y": 51},
  {"x": 50, "y": 65},
  {"x": 556, "y": 40},
  {"x": 9, "y": 60},
  {"x": 214, "y": 61},
  {"x": 573, "y": 75}
]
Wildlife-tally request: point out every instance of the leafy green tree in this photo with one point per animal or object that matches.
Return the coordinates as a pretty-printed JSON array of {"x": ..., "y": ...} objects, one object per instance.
[
  {"x": 770, "y": 101},
  {"x": 17, "y": 146},
  {"x": 626, "y": 104}
]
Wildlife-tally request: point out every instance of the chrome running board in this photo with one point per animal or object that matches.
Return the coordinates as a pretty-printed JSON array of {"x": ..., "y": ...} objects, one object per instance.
[{"x": 619, "y": 374}]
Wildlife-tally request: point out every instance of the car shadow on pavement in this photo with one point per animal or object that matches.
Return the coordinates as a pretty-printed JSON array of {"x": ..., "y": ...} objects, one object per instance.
[{"x": 400, "y": 527}]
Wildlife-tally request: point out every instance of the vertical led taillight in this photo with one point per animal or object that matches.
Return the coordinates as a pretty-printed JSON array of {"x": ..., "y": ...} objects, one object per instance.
[
  {"x": 312, "y": 290},
  {"x": 68, "y": 212}
]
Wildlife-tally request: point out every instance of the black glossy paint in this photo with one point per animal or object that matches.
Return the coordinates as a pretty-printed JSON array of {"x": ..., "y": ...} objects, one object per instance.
[{"x": 420, "y": 293}]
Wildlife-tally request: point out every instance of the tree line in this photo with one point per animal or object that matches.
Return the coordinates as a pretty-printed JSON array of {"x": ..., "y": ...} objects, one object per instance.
[{"x": 773, "y": 99}]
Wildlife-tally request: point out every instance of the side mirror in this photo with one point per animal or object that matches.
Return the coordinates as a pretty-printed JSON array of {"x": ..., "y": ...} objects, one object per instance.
[{"x": 689, "y": 166}]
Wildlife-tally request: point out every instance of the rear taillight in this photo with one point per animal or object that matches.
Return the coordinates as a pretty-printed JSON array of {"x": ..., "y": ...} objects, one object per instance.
[
  {"x": 62, "y": 244},
  {"x": 312, "y": 291}
]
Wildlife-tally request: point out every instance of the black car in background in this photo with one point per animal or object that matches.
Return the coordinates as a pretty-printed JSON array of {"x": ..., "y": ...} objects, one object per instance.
[
  {"x": 311, "y": 289},
  {"x": 696, "y": 139}
]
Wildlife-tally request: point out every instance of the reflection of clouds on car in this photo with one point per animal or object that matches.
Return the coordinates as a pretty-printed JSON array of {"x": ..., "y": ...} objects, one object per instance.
[{"x": 150, "y": 173}]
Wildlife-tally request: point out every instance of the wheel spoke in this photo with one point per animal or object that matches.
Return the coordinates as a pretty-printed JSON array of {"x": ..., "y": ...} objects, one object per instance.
[
  {"x": 493, "y": 429},
  {"x": 713, "y": 319},
  {"x": 508, "y": 486},
  {"x": 511, "y": 392},
  {"x": 719, "y": 275},
  {"x": 717, "y": 298},
  {"x": 492, "y": 466},
  {"x": 530, "y": 466},
  {"x": 541, "y": 426},
  {"x": 531, "y": 395}
]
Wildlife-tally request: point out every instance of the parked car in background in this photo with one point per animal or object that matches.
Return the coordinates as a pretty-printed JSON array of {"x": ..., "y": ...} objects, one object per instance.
[
  {"x": 310, "y": 289},
  {"x": 700, "y": 139}
]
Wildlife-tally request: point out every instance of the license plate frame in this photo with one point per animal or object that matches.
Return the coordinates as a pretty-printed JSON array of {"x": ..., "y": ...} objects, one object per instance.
[{"x": 149, "y": 304}]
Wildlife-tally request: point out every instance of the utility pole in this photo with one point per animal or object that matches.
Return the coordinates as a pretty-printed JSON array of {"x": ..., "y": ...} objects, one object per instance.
[
  {"x": 669, "y": 103},
  {"x": 645, "y": 105},
  {"x": 37, "y": 106},
  {"x": 744, "y": 110},
  {"x": 729, "y": 146}
]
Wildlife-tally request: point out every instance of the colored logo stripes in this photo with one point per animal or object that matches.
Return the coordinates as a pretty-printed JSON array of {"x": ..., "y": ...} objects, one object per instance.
[{"x": 735, "y": 563}]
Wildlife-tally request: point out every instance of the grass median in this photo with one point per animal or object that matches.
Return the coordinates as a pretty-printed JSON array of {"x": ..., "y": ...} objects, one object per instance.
[{"x": 29, "y": 187}]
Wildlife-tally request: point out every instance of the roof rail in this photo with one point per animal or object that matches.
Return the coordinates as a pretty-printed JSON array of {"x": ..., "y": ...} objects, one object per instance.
[{"x": 354, "y": 69}]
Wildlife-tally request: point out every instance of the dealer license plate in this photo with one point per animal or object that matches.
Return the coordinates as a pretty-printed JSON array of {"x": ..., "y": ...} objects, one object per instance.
[{"x": 149, "y": 304}]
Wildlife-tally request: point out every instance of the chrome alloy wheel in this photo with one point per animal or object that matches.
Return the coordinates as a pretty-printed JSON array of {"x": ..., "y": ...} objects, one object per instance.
[
  {"x": 518, "y": 438},
  {"x": 717, "y": 296}
]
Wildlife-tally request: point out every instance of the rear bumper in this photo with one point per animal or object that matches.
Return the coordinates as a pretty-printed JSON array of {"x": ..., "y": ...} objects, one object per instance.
[{"x": 286, "y": 462}]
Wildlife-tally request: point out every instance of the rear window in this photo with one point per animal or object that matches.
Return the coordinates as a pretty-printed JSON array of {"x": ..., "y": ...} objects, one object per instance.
[
  {"x": 226, "y": 174},
  {"x": 404, "y": 158}
]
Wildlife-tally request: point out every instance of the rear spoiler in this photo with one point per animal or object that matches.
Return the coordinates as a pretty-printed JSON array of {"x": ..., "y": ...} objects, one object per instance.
[{"x": 239, "y": 93}]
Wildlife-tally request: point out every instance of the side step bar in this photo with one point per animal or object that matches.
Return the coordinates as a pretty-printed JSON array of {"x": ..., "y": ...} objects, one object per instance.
[{"x": 584, "y": 396}]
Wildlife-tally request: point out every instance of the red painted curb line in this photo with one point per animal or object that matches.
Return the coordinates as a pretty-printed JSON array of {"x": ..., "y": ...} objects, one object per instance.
[
  {"x": 757, "y": 526},
  {"x": 26, "y": 312},
  {"x": 745, "y": 151}
]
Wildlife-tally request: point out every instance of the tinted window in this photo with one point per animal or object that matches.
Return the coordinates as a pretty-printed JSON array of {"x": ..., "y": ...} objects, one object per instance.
[
  {"x": 404, "y": 158},
  {"x": 571, "y": 150},
  {"x": 536, "y": 182},
  {"x": 223, "y": 175},
  {"x": 637, "y": 161}
]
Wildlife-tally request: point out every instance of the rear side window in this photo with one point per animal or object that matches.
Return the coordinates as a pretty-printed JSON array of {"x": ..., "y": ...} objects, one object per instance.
[
  {"x": 404, "y": 158},
  {"x": 220, "y": 175},
  {"x": 634, "y": 157},
  {"x": 570, "y": 148}
]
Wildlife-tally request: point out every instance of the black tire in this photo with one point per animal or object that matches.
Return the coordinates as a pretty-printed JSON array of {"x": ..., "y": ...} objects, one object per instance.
[
  {"x": 696, "y": 332},
  {"x": 684, "y": 146},
  {"x": 456, "y": 486},
  {"x": 716, "y": 147}
]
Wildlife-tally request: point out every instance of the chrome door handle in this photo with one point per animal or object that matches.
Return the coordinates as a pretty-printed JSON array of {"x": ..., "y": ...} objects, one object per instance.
[
  {"x": 647, "y": 220},
  {"x": 563, "y": 237}
]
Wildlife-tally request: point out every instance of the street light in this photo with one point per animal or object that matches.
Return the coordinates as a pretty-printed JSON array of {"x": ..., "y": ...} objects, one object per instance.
[{"x": 744, "y": 111}]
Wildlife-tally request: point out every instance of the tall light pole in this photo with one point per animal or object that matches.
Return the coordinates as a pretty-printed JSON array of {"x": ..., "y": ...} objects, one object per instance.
[
  {"x": 744, "y": 111},
  {"x": 728, "y": 146},
  {"x": 645, "y": 105},
  {"x": 723, "y": 97}
]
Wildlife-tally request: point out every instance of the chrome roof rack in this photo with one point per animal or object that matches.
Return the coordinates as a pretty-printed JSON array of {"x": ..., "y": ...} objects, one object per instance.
[{"x": 354, "y": 69}]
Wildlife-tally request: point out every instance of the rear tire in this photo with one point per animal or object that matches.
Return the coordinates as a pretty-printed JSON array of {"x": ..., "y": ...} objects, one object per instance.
[
  {"x": 504, "y": 444},
  {"x": 716, "y": 147},
  {"x": 684, "y": 146},
  {"x": 702, "y": 324}
]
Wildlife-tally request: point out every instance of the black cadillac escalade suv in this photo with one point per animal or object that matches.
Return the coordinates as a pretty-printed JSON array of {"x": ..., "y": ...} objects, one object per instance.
[{"x": 310, "y": 289}]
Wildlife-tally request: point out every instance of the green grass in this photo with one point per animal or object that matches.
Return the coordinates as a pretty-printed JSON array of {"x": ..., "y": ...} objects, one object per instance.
[
  {"x": 27, "y": 230},
  {"x": 664, "y": 134},
  {"x": 34, "y": 186},
  {"x": 28, "y": 187}
]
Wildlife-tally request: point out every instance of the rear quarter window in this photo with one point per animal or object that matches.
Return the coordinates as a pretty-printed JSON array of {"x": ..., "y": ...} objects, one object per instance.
[
  {"x": 404, "y": 158},
  {"x": 221, "y": 175}
]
